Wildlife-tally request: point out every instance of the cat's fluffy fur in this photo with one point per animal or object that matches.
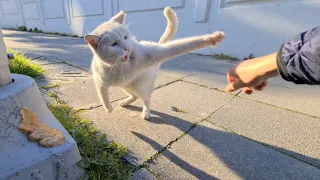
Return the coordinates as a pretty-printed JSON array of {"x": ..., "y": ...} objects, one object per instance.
[{"x": 120, "y": 60}]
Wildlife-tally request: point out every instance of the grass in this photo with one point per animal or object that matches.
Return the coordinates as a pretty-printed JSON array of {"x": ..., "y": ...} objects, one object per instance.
[
  {"x": 101, "y": 159},
  {"x": 49, "y": 86},
  {"x": 22, "y": 65},
  {"x": 225, "y": 57},
  {"x": 251, "y": 56},
  {"x": 62, "y": 34},
  {"x": 52, "y": 94},
  {"x": 222, "y": 56},
  {"x": 22, "y": 28},
  {"x": 36, "y": 30},
  {"x": 174, "y": 108}
]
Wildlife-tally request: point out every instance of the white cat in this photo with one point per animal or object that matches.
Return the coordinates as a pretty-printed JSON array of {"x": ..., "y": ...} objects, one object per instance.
[{"x": 120, "y": 60}]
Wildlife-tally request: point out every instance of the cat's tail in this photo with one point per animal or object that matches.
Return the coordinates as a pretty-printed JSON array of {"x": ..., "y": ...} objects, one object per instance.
[{"x": 172, "y": 25}]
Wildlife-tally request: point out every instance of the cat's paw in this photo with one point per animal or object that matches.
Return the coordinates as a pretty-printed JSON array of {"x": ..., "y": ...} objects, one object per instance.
[
  {"x": 123, "y": 103},
  {"x": 216, "y": 37},
  {"x": 109, "y": 109},
  {"x": 127, "y": 101},
  {"x": 145, "y": 115}
]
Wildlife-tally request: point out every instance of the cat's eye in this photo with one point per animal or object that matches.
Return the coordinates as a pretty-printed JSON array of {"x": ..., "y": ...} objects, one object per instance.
[
  {"x": 114, "y": 44},
  {"x": 125, "y": 37}
]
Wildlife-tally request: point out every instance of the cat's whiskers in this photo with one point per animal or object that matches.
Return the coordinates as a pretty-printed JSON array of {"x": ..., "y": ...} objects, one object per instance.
[
  {"x": 114, "y": 74},
  {"x": 123, "y": 78}
]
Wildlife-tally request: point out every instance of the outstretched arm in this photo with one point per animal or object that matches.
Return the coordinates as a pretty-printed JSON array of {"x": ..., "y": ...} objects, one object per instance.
[{"x": 298, "y": 61}]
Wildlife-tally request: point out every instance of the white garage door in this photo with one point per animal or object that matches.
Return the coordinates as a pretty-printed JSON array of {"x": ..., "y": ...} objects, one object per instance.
[
  {"x": 260, "y": 26},
  {"x": 251, "y": 26}
]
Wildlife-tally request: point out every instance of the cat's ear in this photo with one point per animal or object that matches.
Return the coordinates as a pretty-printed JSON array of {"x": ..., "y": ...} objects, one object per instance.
[
  {"x": 119, "y": 18},
  {"x": 92, "y": 40}
]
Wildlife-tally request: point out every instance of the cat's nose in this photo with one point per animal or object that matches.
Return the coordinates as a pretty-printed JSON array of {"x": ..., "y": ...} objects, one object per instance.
[{"x": 126, "y": 49}]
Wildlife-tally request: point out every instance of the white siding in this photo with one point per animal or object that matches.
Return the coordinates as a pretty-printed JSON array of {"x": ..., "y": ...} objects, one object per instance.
[{"x": 251, "y": 26}]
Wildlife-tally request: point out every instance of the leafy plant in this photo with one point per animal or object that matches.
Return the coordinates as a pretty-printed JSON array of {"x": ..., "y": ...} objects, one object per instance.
[
  {"x": 22, "y": 65},
  {"x": 173, "y": 108},
  {"x": 222, "y": 56},
  {"x": 101, "y": 159},
  {"x": 251, "y": 56},
  {"x": 22, "y": 28}
]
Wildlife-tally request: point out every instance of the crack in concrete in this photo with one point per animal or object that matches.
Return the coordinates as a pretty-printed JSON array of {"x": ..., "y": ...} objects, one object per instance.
[
  {"x": 168, "y": 146},
  {"x": 153, "y": 173},
  {"x": 238, "y": 93},
  {"x": 75, "y": 76},
  {"x": 264, "y": 144},
  {"x": 208, "y": 87},
  {"x": 158, "y": 87},
  {"x": 177, "y": 60},
  {"x": 177, "y": 80},
  {"x": 279, "y": 107},
  {"x": 70, "y": 64},
  {"x": 60, "y": 61},
  {"x": 153, "y": 158},
  {"x": 51, "y": 63},
  {"x": 56, "y": 85}
]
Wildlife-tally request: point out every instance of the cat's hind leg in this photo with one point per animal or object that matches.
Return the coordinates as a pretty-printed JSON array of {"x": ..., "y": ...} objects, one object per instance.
[
  {"x": 142, "y": 87},
  {"x": 145, "y": 95},
  {"x": 132, "y": 97},
  {"x": 128, "y": 101},
  {"x": 144, "y": 91}
]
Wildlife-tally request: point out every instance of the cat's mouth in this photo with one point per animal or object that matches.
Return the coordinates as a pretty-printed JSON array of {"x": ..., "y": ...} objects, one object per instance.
[{"x": 126, "y": 58}]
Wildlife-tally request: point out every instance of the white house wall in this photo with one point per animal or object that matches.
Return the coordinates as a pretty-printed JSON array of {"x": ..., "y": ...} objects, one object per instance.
[
  {"x": 261, "y": 26},
  {"x": 251, "y": 26},
  {"x": 11, "y": 13}
]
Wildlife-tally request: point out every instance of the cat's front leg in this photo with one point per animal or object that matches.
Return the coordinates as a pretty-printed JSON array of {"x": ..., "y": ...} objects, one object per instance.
[
  {"x": 145, "y": 114},
  {"x": 163, "y": 52},
  {"x": 103, "y": 93}
]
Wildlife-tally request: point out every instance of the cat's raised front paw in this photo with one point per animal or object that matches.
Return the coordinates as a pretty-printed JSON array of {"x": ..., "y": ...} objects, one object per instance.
[{"x": 216, "y": 37}]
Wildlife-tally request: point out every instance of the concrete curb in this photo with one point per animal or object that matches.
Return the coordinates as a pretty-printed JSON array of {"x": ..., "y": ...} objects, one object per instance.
[{"x": 22, "y": 159}]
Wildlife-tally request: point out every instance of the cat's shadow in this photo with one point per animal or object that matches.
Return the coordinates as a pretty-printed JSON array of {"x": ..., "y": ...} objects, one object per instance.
[
  {"x": 243, "y": 156},
  {"x": 163, "y": 118}
]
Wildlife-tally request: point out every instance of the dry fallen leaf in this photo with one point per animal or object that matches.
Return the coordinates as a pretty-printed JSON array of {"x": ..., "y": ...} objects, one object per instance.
[{"x": 38, "y": 131}]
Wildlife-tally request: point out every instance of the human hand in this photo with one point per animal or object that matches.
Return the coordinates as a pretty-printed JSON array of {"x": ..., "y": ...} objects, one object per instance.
[{"x": 252, "y": 74}]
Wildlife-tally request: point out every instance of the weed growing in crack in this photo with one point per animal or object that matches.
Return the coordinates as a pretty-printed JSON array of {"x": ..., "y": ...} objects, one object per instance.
[
  {"x": 174, "y": 108},
  {"x": 49, "y": 86}
]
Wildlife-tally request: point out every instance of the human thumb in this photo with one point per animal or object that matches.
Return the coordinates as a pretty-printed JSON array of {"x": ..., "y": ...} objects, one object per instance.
[{"x": 235, "y": 85}]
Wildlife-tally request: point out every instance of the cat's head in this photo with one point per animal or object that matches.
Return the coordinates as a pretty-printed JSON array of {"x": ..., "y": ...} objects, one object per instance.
[{"x": 111, "y": 41}]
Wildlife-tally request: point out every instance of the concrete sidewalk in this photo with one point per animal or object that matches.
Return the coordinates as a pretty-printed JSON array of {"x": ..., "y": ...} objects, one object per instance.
[{"x": 274, "y": 134}]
